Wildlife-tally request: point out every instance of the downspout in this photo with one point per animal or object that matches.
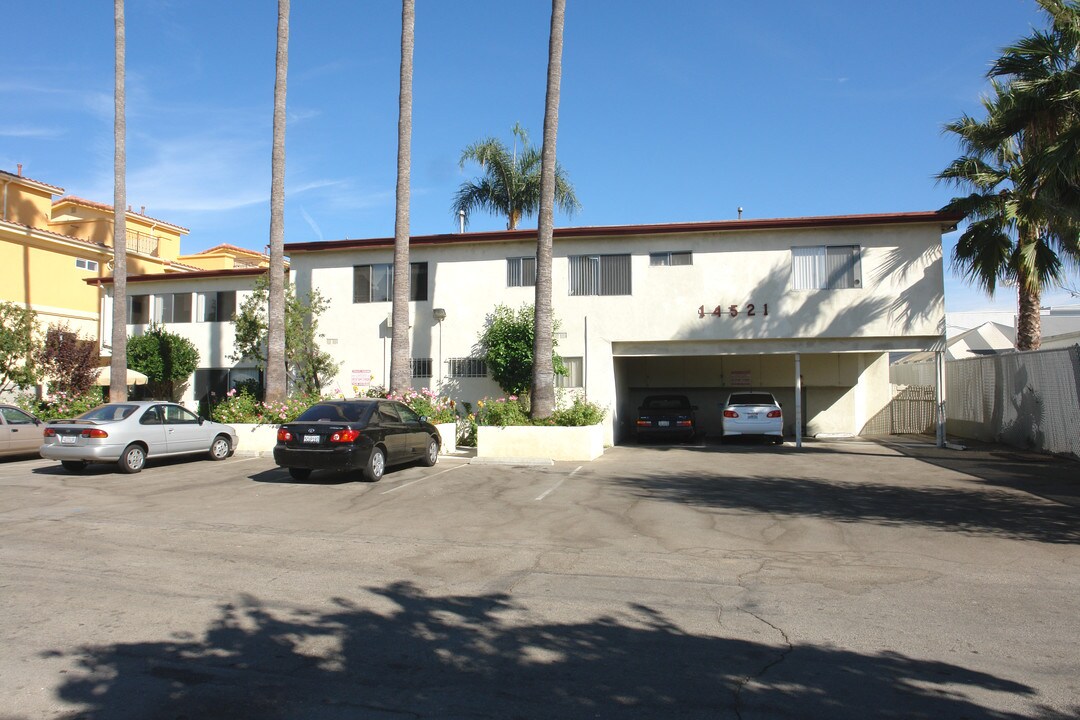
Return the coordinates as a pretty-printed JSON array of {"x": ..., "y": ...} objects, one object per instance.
[{"x": 3, "y": 214}]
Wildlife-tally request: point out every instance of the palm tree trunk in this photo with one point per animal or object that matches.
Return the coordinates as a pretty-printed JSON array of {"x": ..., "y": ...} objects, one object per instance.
[
  {"x": 118, "y": 363},
  {"x": 400, "y": 367},
  {"x": 276, "y": 389},
  {"x": 542, "y": 396}
]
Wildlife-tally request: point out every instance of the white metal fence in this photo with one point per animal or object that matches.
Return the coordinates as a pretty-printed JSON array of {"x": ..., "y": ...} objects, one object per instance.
[{"x": 1028, "y": 400}]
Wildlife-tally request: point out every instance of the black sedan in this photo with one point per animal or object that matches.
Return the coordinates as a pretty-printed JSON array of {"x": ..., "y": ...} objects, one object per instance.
[
  {"x": 666, "y": 416},
  {"x": 367, "y": 435}
]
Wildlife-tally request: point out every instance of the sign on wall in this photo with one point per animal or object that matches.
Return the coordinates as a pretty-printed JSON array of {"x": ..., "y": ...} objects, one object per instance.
[
  {"x": 739, "y": 378},
  {"x": 361, "y": 378}
]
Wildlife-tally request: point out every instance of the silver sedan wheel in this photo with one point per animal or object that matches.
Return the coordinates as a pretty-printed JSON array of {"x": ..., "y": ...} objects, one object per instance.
[
  {"x": 219, "y": 449},
  {"x": 133, "y": 459}
]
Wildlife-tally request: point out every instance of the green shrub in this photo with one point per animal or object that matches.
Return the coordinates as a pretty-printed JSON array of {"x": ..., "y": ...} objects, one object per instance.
[
  {"x": 581, "y": 412},
  {"x": 242, "y": 407},
  {"x": 61, "y": 405},
  {"x": 501, "y": 412}
]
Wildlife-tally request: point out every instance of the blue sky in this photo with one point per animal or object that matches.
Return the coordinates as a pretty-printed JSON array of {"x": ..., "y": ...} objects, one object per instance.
[{"x": 670, "y": 111}]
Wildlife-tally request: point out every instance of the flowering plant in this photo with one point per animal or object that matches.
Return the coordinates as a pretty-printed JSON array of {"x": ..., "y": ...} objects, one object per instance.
[
  {"x": 60, "y": 404},
  {"x": 242, "y": 407},
  {"x": 427, "y": 404}
]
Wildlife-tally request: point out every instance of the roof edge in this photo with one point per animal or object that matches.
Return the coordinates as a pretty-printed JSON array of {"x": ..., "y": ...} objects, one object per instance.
[
  {"x": 193, "y": 275},
  {"x": 908, "y": 218}
]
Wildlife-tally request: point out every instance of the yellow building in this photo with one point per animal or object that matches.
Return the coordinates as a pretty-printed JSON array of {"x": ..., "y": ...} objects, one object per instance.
[{"x": 50, "y": 247}]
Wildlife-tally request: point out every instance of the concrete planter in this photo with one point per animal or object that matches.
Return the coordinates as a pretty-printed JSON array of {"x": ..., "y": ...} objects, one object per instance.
[
  {"x": 555, "y": 443},
  {"x": 448, "y": 433},
  {"x": 255, "y": 439}
]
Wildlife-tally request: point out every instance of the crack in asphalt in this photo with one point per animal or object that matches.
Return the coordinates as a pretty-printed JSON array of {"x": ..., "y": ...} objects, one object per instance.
[{"x": 760, "y": 673}]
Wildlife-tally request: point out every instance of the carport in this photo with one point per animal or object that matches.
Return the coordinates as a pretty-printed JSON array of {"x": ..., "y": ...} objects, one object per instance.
[{"x": 826, "y": 387}]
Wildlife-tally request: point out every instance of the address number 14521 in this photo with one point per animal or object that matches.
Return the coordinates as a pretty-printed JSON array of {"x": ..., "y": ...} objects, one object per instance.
[{"x": 749, "y": 310}]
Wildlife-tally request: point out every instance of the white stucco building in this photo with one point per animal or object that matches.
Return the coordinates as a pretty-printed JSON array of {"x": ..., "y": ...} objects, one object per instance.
[{"x": 695, "y": 308}]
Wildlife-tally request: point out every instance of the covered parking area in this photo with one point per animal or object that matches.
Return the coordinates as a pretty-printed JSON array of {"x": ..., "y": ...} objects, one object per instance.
[{"x": 827, "y": 387}]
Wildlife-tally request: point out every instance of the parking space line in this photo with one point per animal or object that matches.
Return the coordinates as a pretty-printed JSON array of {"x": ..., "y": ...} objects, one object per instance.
[
  {"x": 555, "y": 487},
  {"x": 428, "y": 477}
]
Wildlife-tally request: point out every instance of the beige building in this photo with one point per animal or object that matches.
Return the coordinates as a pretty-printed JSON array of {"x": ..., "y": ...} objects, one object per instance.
[{"x": 808, "y": 308}]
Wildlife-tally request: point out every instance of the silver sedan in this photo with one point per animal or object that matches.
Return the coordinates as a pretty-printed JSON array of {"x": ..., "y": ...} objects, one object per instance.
[
  {"x": 20, "y": 433},
  {"x": 127, "y": 433}
]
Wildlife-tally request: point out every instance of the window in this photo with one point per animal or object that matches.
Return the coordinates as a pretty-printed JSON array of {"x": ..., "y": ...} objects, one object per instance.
[
  {"x": 86, "y": 264},
  {"x": 407, "y": 414},
  {"x": 219, "y": 306},
  {"x": 671, "y": 258},
  {"x": 375, "y": 283},
  {"x": 176, "y": 415},
  {"x": 421, "y": 367},
  {"x": 173, "y": 308},
  {"x": 521, "y": 272},
  {"x": 138, "y": 309},
  {"x": 467, "y": 367},
  {"x": 826, "y": 267},
  {"x": 599, "y": 274},
  {"x": 15, "y": 417},
  {"x": 574, "y": 373}
]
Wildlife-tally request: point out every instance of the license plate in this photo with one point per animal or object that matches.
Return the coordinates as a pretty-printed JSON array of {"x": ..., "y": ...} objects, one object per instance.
[
  {"x": 664, "y": 423},
  {"x": 313, "y": 439},
  {"x": 752, "y": 416},
  {"x": 68, "y": 439}
]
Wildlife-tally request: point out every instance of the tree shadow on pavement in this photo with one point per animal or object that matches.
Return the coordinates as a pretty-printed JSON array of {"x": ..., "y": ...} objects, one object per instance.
[
  {"x": 978, "y": 510},
  {"x": 395, "y": 652}
]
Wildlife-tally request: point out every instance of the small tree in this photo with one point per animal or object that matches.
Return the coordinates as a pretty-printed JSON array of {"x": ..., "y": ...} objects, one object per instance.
[
  {"x": 167, "y": 360},
  {"x": 19, "y": 347},
  {"x": 507, "y": 344},
  {"x": 305, "y": 363},
  {"x": 68, "y": 361}
]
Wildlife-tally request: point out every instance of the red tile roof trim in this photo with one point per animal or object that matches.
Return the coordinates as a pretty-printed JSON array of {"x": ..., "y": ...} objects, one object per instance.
[
  {"x": 628, "y": 230},
  {"x": 98, "y": 245},
  {"x": 32, "y": 181},
  {"x": 194, "y": 275},
  {"x": 74, "y": 200}
]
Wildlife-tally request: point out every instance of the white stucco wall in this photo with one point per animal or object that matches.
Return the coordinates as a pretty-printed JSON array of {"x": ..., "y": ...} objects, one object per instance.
[{"x": 900, "y": 305}]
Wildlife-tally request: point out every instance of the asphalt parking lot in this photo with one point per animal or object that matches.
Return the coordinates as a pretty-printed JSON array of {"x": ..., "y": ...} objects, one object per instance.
[{"x": 850, "y": 579}]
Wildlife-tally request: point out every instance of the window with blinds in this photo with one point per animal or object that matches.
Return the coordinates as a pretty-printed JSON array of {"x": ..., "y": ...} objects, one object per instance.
[
  {"x": 600, "y": 274},
  {"x": 826, "y": 267},
  {"x": 521, "y": 272},
  {"x": 467, "y": 367},
  {"x": 375, "y": 283},
  {"x": 667, "y": 259},
  {"x": 574, "y": 377}
]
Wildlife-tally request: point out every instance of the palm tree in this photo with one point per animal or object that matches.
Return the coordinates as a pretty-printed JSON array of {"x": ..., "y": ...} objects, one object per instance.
[
  {"x": 510, "y": 184},
  {"x": 118, "y": 362},
  {"x": 276, "y": 389},
  {"x": 542, "y": 396},
  {"x": 1022, "y": 164},
  {"x": 400, "y": 367}
]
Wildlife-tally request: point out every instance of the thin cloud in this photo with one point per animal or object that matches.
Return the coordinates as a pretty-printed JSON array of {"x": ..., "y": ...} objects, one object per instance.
[
  {"x": 311, "y": 223},
  {"x": 31, "y": 132}
]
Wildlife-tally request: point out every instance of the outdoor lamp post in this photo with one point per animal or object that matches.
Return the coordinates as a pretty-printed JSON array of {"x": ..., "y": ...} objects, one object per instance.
[{"x": 439, "y": 314}]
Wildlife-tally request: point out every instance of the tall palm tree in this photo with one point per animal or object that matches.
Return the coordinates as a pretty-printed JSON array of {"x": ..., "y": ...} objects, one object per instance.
[
  {"x": 400, "y": 367},
  {"x": 542, "y": 397},
  {"x": 118, "y": 362},
  {"x": 1022, "y": 163},
  {"x": 276, "y": 389},
  {"x": 510, "y": 184}
]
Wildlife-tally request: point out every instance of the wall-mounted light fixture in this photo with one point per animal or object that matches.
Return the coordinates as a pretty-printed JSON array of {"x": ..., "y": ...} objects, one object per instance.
[{"x": 439, "y": 314}]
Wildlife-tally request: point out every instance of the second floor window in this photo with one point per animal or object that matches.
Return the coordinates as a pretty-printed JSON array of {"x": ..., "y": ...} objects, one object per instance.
[
  {"x": 138, "y": 309},
  {"x": 83, "y": 264},
  {"x": 172, "y": 308},
  {"x": 671, "y": 258},
  {"x": 826, "y": 267},
  {"x": 219, "y": 306},
  {"x": 375, "y": 283},
  {"x": 600, "y": 275},
  {"x": 521, "y": 272}
]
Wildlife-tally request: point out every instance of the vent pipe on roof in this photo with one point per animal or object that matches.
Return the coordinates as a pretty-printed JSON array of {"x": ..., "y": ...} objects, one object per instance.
[
  {"x": 740, "y": 212},
  {"x": 142, "y": 209},
  {"x": 461, "y": 221},
  {"x": 20, "y": 169}
]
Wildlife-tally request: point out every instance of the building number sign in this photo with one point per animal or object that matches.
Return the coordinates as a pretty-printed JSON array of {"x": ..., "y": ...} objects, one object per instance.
[{"x": 748, "y": 310}]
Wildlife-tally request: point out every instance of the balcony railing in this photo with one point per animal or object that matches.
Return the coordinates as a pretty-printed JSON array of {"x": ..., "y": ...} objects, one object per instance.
[{"x": 143, "y": 243}]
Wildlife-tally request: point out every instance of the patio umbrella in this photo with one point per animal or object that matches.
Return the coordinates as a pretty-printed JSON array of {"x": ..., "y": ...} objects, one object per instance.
[{"x": 134, "y": 377}]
